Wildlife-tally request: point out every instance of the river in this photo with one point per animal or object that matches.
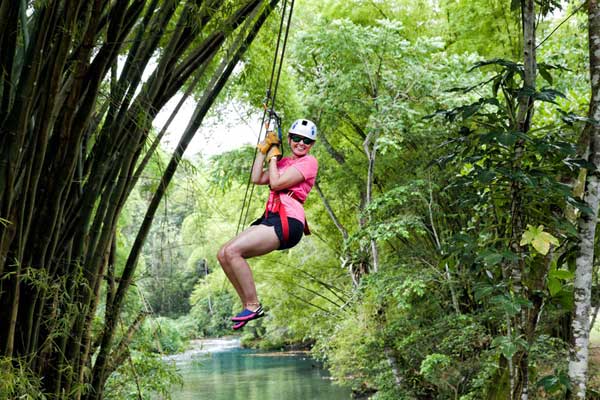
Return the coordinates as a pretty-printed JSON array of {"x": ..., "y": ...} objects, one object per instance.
[{"x": 219, "y": 369}]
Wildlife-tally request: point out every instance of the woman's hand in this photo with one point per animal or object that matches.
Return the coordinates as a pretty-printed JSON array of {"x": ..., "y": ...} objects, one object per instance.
[
  {"x": 274, "y": 151},
  {"x": 268, "y": 142}
]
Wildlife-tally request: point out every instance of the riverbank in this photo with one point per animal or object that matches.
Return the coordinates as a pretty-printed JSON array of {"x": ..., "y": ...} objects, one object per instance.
[{"x": 202, "y": 347}]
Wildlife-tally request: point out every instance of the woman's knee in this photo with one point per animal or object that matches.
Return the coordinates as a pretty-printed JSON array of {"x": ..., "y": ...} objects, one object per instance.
[
  {"x": 221, "y": 255},
  {"x": 227, "y": 253}
]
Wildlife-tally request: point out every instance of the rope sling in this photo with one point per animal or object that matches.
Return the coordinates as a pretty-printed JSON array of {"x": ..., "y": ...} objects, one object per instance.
[{"x": 269, "y": 116}]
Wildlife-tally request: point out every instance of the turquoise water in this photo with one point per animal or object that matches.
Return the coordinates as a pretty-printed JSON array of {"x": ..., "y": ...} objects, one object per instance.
[{"x": 226, "y": 372}]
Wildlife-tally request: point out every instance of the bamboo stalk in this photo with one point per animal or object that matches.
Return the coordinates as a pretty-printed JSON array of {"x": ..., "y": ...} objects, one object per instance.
[{"x": 113, "y": 309}]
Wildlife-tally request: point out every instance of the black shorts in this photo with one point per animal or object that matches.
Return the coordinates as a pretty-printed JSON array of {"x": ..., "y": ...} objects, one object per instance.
[{"x": 296, "y": 229}]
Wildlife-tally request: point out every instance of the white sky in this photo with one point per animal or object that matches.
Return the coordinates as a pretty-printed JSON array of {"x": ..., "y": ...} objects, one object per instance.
[{"x": 215, "y": 136}]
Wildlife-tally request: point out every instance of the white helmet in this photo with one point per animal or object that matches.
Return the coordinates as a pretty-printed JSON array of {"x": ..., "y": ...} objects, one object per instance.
[{"x": 304, "y": 127}]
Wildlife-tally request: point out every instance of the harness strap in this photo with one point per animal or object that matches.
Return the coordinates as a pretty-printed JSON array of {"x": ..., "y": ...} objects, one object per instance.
[{"x": 278, "y": 207}]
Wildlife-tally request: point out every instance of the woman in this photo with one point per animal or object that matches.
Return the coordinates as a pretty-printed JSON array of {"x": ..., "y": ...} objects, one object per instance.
[{"x": 282, "y": 225}]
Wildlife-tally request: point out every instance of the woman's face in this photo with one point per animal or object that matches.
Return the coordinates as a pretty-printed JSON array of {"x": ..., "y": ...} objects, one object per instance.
[{"x": 298, "y": 145}]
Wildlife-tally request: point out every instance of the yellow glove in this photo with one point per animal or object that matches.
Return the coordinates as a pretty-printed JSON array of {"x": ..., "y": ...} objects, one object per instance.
[
  {"x": 274, "y": 151},
  {"x": 268, "y": 141}
]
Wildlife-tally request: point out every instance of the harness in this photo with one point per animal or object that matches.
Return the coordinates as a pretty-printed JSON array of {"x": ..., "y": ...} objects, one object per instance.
[{"x": 278, "y": 207}]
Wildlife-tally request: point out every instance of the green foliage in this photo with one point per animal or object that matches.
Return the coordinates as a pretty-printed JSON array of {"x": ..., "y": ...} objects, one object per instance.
[
  {"x": 17, "y": 382},
  {"x": 499, "y": 166},
  {"x": 555, "y": 385},
  {"x": 419, "y": 216},
  {"x": 251, "y": 81},
  {"x": 391, "y": 216},
  {"x": 485, "y": 153},
  {"x": 143, "y": 376},
  {"x": 549, "y": 370},
  {"x": 489, "y": 28},
  {"x": 509, "y": 346},
  {"x": 437, "y": 309},
  {"x": 371, "y": 79},
  {"x": 212, "y": 306},
  {"x": 145, "y": 372},
  {"x": 165, "y": 277},
  {"x": 164, "y": 335},
  {"x": 230, "y": 167},
  {"x": 397, "y": 322},
  {"x": 439, "y": 370}
]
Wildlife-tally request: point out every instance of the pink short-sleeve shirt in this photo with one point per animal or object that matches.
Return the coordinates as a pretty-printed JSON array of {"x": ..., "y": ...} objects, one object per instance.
[{"x": 308, "y": 167}]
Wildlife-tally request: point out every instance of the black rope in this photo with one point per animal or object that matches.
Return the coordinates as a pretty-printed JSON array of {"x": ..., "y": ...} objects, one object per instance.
[
  {"x": 246, "y": 206},
  {"x": 267, "y": 110},
  {"x": 287, "y": 31},
  {"x": 275, "y": 55}
]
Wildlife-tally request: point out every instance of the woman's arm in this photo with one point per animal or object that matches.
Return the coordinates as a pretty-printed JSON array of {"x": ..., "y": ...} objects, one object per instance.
[
  {"x": 289, "y": 178},
  {"x": 271, "y": 176},
  {"x": 259, "y": 175}
]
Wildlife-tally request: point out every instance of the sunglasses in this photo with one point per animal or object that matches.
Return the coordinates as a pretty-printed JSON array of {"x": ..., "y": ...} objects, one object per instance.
[{"x": 305, "y": 140}]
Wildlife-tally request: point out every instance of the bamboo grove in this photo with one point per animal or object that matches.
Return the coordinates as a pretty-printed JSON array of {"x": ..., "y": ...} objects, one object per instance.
[{"x": 74, "y": 136}]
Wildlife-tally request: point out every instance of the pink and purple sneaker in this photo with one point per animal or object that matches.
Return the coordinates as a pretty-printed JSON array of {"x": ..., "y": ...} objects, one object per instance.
[{"x": 246, "y": 316}]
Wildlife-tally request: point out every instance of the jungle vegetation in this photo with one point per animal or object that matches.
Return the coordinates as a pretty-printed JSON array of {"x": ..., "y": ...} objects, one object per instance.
[{"x": 453, "y": 253}]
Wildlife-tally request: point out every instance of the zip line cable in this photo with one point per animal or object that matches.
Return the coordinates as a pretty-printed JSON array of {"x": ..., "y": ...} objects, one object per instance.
[
  {"x": 270, "y": 111},
  {"x": 248, "y": 200},
  {"x": 287, "y": 31}
]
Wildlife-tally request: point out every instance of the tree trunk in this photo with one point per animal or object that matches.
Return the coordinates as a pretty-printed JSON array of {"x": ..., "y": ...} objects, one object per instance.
[
  {"x": 520, "y": 361},
  {"x": 393, "y": 363},
  {"x": 579, "y": 354},
  {"x": 331, "y": 213},
  {"x": 370, "y": 148}
]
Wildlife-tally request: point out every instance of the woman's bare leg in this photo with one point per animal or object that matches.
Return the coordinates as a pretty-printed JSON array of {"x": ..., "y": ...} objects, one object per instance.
[
  {"x": 229, "y": 271},
  {"x": 254, "y": 241}
]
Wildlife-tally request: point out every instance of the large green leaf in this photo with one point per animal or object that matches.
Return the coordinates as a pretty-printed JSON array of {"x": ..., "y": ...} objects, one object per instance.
[{"x": 540, "y": 240}]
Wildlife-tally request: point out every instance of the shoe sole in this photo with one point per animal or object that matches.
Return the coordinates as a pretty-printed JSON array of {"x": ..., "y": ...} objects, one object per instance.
[{"x": 239, "y": 325}]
